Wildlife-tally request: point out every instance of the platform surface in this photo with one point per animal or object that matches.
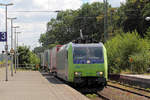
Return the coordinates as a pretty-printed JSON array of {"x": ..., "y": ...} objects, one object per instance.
[
  {"x": 35, "y": 86},
  {"x": 138, "y": 76}
]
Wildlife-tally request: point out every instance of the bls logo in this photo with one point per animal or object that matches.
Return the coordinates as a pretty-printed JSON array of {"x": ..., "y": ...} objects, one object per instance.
[{"x": 3, "y": 36}]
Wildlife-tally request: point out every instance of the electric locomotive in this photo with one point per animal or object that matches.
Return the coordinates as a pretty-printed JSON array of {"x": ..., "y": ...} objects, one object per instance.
[{"x": 83, "y": 64}]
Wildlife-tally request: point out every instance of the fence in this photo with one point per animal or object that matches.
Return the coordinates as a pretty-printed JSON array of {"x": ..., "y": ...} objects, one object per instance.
[{"x": 28, "y": 66}]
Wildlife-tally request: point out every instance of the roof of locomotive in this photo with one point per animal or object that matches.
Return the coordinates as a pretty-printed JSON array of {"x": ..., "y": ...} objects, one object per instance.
[
  {"x": 66, "y": 46},
  {"x": 88, "y": 45}
]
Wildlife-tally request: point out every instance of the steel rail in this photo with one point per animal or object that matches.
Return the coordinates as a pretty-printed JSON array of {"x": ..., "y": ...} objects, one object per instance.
[{"x": 130, "y": 91}]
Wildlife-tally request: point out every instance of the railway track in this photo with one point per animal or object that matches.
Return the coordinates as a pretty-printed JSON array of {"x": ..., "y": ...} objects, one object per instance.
[
  {"x": 127, "y": 85},
  {"x": 113, "y": 92},
  {"x": 83, "y": 91},
  {"x": 136, "y": 91},
  {"x": 110, "y": 93},
  {"x": 103, "y": 97},
  {"x": 86, "y": 91}
]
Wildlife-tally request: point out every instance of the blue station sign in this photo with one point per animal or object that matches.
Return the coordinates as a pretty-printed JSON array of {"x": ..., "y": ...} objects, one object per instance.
[{"x": 3, "y": 36}]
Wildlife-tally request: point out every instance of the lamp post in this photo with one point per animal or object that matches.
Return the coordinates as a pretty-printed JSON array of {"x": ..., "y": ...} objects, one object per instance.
[
  {"x": 147, "y": 18},
  {"x": 105, "y": 20},
  {"x": 15, "y": 46},
  {"x": 17, "y": 50},
  {"x": 6, "y": 46},
  {"x": 12, "y": 44}
]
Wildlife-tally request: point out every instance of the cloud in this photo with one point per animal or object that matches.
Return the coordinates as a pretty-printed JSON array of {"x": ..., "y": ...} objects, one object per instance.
[
  {"x": 58, "y": 4},
  {"x": 2, "y": 19},
  {"x": 91, "y": 1},
  {"x": 114, "y": 3},
  {"x": 33, "y": 24},
  {"x": 123, "y": 1}
]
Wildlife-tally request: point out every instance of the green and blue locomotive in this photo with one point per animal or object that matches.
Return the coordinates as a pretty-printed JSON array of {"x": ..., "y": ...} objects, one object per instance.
[{"x": 83, "y": 64}]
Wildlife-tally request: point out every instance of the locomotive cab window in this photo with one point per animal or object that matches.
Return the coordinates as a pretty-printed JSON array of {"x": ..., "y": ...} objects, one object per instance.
[{"x": 92, "y": 54}]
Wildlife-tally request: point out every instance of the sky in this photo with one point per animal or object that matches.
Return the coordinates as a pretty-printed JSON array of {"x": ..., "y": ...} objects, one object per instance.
[{"x": 32, "y": 25}]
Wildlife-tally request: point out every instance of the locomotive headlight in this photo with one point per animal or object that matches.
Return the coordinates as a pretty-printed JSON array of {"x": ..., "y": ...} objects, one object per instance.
[
  {"x": 77, "y": 73},
  {"x": 88, "y": 61},
  {"x": 100, "y": 73}
]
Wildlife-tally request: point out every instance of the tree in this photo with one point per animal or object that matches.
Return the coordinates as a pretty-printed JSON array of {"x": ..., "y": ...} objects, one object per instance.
[
  {"x": 38, "y": 49},
  {"x": 90, "y": 19},
  {"x": 125, "y": 46},
  {"x": 66, "y": 27},
  {"x": 133, "y": 16},
  {"x": 26, "y": 56}
]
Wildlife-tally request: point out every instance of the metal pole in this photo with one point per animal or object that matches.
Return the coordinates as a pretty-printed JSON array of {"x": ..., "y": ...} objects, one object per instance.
[
  {"x": 15, "y": 50},
  {"x": 6, "y": 46},
  {"x": 6, "y": 49},
  {"x": 12, "y": 44},
  {"x": 105, "y": 20},
  {"x": 11, "y": 47},
  {"x": 15, "y": 47}
]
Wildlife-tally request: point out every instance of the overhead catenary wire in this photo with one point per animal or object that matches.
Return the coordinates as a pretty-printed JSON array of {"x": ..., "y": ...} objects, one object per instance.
[{"x": 34, "y": 11}]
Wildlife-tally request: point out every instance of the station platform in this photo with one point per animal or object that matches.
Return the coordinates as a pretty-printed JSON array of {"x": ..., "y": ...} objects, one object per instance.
[
  {"x": 34, "y": 85},
  {"x": 138, "y": 76},
  {"x": 136, "y": 80}
]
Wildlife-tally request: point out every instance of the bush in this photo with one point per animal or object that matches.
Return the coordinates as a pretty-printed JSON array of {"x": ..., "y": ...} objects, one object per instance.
[
  {"x": 140, "y": 63},
  {"x": 125, "y": 46},
  {"x": 34, "y": 60},
  {"x": 26, "y": 57}
]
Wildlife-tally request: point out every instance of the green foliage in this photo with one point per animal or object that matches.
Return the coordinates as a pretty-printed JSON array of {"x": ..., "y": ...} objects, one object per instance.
[
  {"x": 34, "y": 58},
  {"x": 27, "y": 57},
  {"x": 91, "y": 96},
  {"x": 148, "y": 34},
  {"x": 90, "y": 19},
  {"x": 66, "y": 27},
  {"x": 24, "y": 55},
  {"x": 129, "y": 17},
  {"x": 1, "y": 62},
  {"x": 38, "y": 49},
  {"x": 124, "y": 46},
  {"x": 133, "y": 14},
  {"x": 140, "y": 62}
]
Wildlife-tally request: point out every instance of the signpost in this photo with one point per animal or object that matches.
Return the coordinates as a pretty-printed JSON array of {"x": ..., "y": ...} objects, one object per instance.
[
  {"x": 3, "y": 36},
  {"x": 12, "y": 51}
]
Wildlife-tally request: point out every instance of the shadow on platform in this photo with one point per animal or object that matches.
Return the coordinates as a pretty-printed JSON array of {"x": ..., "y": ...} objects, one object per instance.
[{"x": 51, "y": 78}]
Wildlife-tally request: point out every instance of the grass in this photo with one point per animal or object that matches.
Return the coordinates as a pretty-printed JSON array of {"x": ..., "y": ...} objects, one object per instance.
[
  {"x": 91, "y": 95},
  {"x": 146, "y": 73},
  {"x": 1, "y": 62}
]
